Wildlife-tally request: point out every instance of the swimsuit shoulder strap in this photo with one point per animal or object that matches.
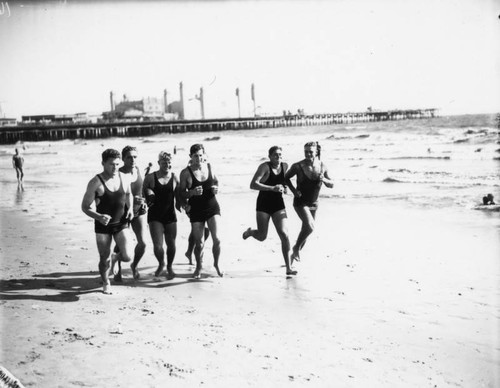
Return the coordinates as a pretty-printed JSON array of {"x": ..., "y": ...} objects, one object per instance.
[{"x": 102, "y": 180}]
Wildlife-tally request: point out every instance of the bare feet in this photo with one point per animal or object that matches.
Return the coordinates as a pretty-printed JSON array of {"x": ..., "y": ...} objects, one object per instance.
[
  {"x": 118, "y": 278},
  {"x": 170, "y": 273},
  {"x": 135, "y": 272},
  {"x": 159, "y": 269},
  {"x": 246, "y": 233},
  {"x": 219, "y": 272},
  {"x": 290, "y": 271},
  {"x": 106, "y": 289},
  {"x": 197, "y": 273},
  {"x": 295, "y": 255}
]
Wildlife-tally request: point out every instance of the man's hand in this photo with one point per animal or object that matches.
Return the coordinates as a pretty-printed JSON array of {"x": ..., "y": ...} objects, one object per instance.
[{"x": 104, "y": 219}]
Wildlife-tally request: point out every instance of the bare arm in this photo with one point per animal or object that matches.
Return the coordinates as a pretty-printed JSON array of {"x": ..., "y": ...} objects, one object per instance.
[
  {"x": 179, "y": 200},
  {"x": 185, "y": 184},
  {"x": 88, "y": 200},
  {"x": 147, "y": 189},
  {"x": 215, "y": 187},
  {"x": 290, "y": 174},
  {"x": 261, "y": 175},
  {"x": 129, "y": 196},
  {"x": 325, "y": 177}
]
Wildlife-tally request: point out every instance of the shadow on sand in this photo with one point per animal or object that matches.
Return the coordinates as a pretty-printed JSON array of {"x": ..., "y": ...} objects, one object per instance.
[{"x": 68, "y": 286}]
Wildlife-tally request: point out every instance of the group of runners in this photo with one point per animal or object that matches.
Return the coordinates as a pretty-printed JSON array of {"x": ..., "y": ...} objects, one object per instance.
[{"x": 119, "y": 197}]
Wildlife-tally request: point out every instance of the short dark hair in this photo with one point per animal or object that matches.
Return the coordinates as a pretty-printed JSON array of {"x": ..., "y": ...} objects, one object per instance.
[
  {"x": 195, "y": 148},
  {"x": 314, "y": 144},
  {"x": 110, "y": 153},
  {"x": 273, "y": 149},
  {"x": 127, "y": 149}
]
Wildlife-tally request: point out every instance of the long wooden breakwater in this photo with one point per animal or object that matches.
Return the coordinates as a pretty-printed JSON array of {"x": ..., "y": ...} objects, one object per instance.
[{"x": 41, "y": 132}]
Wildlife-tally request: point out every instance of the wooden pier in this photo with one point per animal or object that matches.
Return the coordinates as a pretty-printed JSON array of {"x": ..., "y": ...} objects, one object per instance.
[{"x": 13, "y": 134}]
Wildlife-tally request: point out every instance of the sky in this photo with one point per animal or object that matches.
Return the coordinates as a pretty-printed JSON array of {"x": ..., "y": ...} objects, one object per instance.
[{"x": 65, "y": 57}]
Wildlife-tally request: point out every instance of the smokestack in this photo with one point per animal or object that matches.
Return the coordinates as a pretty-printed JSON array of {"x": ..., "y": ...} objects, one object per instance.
[
  {"x": 165, "y": 100},
  {"x": 112, "y": 101},
  {"x": 181, "y": 92},
  {"x": 202, "y": 104}
]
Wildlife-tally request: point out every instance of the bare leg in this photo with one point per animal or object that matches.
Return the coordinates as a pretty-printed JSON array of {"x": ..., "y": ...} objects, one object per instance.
[
  {"x": 157, "y": 230},
  {"x": 212, "y": 225},
  {"x": 307, "y": 216},
  {"x": 280, "y": 223},
  {"x": 197, "y": 229},
  {"x": 260, "y": 233},
  {"x": 104, "y": 248},
  {"x": 139, "y": 227},
  {"x": 170, "y": 236},
  {"x": 189, "y": 252},
  {"x": 190, "y": 248}
]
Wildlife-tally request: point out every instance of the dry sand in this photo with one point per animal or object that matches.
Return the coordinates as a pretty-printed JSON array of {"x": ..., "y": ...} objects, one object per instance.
[{"x": 386, "y": 296}]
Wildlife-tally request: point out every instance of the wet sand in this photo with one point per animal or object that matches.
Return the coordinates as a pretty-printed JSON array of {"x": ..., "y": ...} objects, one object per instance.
[{"x": 385, "y": 296}]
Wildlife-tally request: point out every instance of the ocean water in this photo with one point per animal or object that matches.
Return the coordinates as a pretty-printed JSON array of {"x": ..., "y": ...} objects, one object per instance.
[{"x": 445, "y": 162}]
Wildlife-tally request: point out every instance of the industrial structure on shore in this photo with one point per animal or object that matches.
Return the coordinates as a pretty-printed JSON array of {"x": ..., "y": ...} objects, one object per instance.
[
  {"x": 40, "y": 132},
  {"x": 151, "y": 116}
]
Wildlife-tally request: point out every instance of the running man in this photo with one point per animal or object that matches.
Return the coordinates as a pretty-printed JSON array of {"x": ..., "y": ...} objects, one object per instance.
[
  {"x": 139, "y": 223},
  {"x": 17, "y": 163},
  {"x": 311, "y": 174},
  {"x": 110, "y": 191},
  {"x": 269, "y": 180},
  {"x": 199, "y": 185},
  {"x": 160, "y": 189}
]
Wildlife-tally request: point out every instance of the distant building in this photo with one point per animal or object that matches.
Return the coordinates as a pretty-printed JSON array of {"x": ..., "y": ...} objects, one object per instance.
[
  {"x": 5, "y": 122},
  {"x": 149, "y": 108},
  {"x": 77, "y": 118}
]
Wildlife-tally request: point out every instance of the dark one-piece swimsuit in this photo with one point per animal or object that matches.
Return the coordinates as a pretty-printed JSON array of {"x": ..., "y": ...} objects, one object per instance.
[
  {"x": 271, "y": 201},
  {"x": 309, "y": 188},
  {"x": 205, "y": 206},
  {"x": 163, "y": 208},
  {"x": 112, "y": 203}
]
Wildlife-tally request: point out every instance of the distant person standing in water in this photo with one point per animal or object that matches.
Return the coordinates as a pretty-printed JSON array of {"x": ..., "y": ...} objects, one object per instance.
[
  {"x": 139, "y": 222},
  {"x": 110, "y": 190},
  {"x": 160, "y": 188},
  {"x": 311, "y": 174},
  {"x": 148, "y": 168},
  {"x": 269, "y": 180},
  {"x": 18, "y": 163},
  {"x": 488, "y": 200},
  {"x": 199, "y": 185}
]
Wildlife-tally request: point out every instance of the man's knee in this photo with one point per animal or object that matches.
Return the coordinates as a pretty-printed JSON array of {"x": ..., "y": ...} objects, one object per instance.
[
  {"x": 215, "y": 242},
  {"x": 260, "y": 236},
  {"x": 309, "y": 227},
  {"x": 158, "y": 250},
  {"x": 141, "y": 246},
  {"x": 283, "y": 236}
]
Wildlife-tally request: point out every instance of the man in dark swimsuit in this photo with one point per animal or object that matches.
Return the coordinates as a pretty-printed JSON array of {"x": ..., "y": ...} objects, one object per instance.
[
  {"x": 138, "y": 223},
  {"x": 269, "y": 179},
  {"x": 110, "y": 191},
  {"x": 199, "y": 185},
  {"x": 311, "y": 174},
  {"x": 160, "y": 189},
  {"x": 17, "y": 163}
]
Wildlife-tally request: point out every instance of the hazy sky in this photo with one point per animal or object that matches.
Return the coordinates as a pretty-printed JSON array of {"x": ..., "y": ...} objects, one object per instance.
[{"x": 323, "y": 56}]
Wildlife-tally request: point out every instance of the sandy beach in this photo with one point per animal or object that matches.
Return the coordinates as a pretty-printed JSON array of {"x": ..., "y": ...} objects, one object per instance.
[{"x": 387, "y": 295}]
